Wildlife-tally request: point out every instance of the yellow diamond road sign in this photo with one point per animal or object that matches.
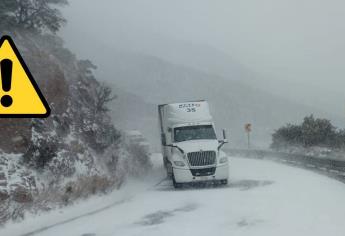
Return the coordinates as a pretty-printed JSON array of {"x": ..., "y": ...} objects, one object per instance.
[
  {"x": 248, "y": 127},
  {"x": 20, "y": 96}
]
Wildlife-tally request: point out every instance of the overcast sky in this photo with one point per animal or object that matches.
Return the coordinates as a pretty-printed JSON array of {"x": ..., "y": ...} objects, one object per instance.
[{"x": 297, "y": 44}]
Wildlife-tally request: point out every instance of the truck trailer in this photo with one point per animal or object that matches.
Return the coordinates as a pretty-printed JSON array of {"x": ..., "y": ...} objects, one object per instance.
[{"x": 190, "y": 148}]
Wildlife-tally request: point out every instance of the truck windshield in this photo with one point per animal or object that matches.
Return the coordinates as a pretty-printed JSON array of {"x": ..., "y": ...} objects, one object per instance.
[{"x": 194, "y": 132}]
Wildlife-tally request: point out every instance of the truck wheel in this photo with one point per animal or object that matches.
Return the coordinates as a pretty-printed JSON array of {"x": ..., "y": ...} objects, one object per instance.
[
  {"x": 224, "y": 182},
  {"x": 169, "y": 171},
  {"x": 176, "y": 185},
  {"x": 165, "y": 161}
]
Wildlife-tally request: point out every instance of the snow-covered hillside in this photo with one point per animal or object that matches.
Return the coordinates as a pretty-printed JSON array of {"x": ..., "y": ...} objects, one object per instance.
[{"x": 263, "y": 198}]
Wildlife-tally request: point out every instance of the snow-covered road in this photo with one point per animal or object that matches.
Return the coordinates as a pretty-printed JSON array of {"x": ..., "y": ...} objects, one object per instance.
[{"x": 263, "y": 198}]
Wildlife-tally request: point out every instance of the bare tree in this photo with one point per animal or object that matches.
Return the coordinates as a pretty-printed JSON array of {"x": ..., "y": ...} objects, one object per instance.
[{"x": 104, "y": 95}]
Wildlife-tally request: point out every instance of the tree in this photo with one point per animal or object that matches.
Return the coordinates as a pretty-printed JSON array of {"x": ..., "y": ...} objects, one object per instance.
[
  {"x": 289, "y": 135},
  {"x": 317, "y": 132},
  {"x": 340, "y": 139},
  {"x": 37, "y": 15},
  {"x": 103, "y": 97},
  {"x": 86, "y": 67},
  {"x": 312, "y": 132}
]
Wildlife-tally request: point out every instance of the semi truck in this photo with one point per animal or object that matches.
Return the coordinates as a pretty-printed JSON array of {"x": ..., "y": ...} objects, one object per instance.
[{"x": 190, "y": 148}]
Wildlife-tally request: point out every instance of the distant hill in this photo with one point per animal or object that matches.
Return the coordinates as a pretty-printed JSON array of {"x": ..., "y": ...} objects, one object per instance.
[{"x": 155, "y": 81}]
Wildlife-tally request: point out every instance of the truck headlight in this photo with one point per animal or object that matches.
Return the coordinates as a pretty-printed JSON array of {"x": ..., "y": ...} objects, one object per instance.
[
  {"x": 223, "y": 160},
  {"x": 179, "y": 163}
]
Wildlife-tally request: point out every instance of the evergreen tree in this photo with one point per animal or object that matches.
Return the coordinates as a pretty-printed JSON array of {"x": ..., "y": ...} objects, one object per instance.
[{"x": 35, "y": 15}]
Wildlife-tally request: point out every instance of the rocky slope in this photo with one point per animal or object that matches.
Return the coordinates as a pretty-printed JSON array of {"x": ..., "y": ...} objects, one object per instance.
[{"x": 47, "y": 163}]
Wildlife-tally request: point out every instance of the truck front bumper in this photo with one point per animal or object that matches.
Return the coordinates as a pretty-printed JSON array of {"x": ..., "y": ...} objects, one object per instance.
[{"x": 186, "y": 176}]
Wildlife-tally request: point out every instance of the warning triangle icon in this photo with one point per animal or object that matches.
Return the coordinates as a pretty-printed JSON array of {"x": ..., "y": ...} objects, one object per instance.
[{"x": 20, "y": 96}]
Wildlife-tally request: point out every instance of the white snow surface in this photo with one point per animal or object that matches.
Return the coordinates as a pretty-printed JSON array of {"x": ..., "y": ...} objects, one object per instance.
[{"x": 262, "y": 198}]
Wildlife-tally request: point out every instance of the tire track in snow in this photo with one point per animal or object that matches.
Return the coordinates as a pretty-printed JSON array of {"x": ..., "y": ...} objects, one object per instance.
[
  {"x": 34, "y": 232},
  {"x": 76, "y": 218}
]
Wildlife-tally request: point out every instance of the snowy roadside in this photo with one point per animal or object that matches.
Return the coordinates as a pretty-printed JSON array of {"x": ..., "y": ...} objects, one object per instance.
[
  {"x": 37, "y": 223},
  {"x": 33, "y": 224},
  {"x": 263, "y": 198}
]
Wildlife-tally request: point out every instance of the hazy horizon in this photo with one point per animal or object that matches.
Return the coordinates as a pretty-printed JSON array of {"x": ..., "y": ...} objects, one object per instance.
[{"x": 294, "y": 47}]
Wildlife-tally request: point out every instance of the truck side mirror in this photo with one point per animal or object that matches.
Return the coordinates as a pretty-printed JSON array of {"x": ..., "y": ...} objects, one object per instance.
[
  {"x": 164, "y": 142},
  {"x": 225, "y": 140}
]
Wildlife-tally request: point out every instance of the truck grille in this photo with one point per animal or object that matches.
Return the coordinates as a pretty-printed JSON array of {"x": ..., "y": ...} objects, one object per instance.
[
  {"x": 203, "y": 172},
  {"x": 203, "y": 158}
]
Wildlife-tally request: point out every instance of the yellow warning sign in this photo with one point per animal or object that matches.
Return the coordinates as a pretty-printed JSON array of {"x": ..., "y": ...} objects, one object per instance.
[{"x": 20, "y": 96}]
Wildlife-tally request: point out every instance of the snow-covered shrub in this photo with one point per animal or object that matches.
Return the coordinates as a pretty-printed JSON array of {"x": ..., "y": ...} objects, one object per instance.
[
  {"x": 311, "y": 133},
  {"x": 41, "y": 152}
]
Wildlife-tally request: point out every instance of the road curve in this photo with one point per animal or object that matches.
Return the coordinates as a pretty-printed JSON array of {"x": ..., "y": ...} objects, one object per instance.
[{"x": 262, "y": 198}]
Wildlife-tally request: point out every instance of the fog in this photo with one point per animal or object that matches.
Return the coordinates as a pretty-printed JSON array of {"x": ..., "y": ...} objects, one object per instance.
[{"x": 290, "y": 48}]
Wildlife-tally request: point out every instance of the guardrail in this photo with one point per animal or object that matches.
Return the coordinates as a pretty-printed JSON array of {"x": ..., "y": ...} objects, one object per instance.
[{"x": 331, "y": 166}]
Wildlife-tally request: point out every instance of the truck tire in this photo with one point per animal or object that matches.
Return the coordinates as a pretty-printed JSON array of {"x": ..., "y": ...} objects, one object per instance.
[
  {"x": 165, "y": 161},
  {"x": 224, "y": 182},
  {"x": 176, "y": 185},
  {"x": 169, "y": 170}
]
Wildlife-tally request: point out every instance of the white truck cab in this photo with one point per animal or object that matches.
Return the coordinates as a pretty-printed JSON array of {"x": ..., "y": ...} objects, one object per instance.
[{"x": 190, "y": 148}]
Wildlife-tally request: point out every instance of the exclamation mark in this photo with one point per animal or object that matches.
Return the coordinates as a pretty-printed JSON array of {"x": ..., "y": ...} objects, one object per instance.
[{"x": 6, "y": 80}]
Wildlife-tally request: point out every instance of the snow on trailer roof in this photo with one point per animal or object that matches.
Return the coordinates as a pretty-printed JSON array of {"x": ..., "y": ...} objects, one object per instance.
[{"x": 187, "y": 112}]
